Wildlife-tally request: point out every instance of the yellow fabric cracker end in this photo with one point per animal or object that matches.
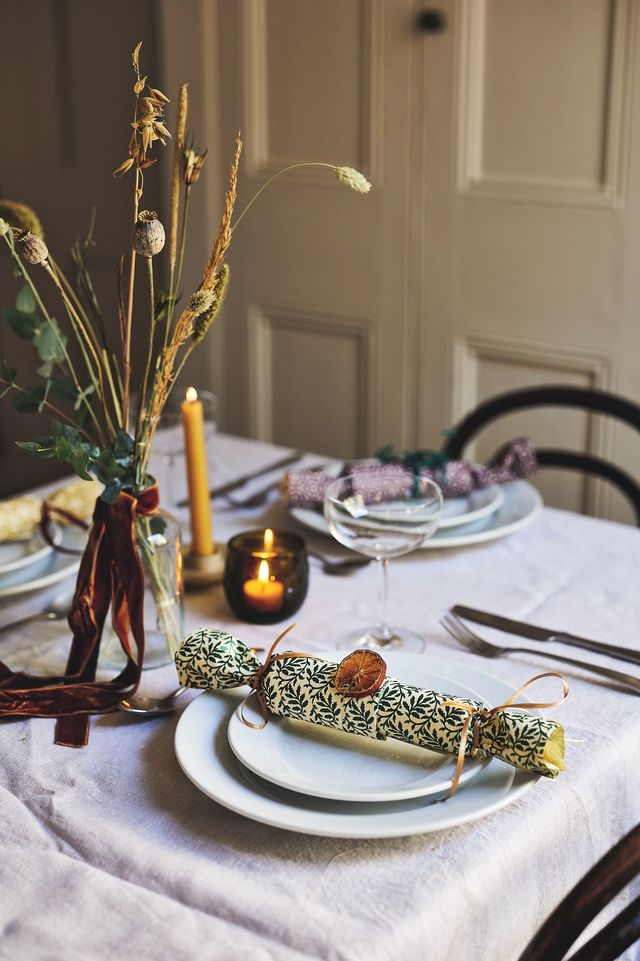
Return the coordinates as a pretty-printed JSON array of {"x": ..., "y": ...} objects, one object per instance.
[{"x": 553, "y": 753}]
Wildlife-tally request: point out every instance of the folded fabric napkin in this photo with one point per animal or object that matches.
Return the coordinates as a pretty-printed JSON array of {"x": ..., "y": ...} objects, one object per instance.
[
  {"x": 305, "y": 687},
  {"x": 20, "y": 516},
  {"x": 385, "y": 481}
]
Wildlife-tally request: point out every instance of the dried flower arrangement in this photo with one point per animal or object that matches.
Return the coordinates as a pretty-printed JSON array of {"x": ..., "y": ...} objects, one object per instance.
[
  {"x": 93, "y": 428},
  {"x": 87, "y": 389}
]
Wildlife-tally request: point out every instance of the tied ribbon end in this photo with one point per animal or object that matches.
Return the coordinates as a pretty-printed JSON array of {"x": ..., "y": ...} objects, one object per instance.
[
  {"x": 476, "y": 719},
  {"x": 257, "y": 683}
]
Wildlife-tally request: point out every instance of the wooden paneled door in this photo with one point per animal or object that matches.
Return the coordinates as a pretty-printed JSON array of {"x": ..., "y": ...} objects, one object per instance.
[
  {"x": 529, "y": 139},
  {"x": 317, "y": 327},
  {"x": 498, "y": 247}
]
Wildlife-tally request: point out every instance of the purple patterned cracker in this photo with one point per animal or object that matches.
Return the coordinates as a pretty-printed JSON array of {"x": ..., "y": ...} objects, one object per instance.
[
  {"x": 378, "y": 482},
  {"x": 305, "y": 488}
]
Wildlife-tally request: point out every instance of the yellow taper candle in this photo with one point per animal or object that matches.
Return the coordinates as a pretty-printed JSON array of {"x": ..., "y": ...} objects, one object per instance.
[{"x": 199, "y": 504}]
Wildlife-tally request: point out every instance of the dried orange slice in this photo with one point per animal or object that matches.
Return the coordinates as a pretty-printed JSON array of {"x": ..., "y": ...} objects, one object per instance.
[{"x": 360, "y": 673}]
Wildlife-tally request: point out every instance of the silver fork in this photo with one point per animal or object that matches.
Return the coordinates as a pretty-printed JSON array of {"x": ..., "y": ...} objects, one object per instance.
[{"x": 473, "y": 642}]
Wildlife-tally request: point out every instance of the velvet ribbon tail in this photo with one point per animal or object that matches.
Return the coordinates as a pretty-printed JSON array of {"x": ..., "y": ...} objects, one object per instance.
[{"x": 110, "y": 574}]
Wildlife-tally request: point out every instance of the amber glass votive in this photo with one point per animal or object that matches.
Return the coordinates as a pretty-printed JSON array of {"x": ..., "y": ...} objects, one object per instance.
[{"x": 266, "y": 575}]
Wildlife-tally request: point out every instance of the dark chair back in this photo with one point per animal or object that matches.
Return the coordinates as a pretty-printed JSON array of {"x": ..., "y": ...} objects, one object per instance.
[
  {"x": 596, "y": 889},
  {"x": 597, "y": 401}
]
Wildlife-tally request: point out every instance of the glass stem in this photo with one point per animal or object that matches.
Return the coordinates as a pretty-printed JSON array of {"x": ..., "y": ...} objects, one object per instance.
[{"x": 382, "y": 628}]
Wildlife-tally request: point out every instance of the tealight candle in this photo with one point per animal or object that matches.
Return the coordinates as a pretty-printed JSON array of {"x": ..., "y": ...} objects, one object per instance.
[
  {"x": 266, "y": 575},
  {"x": 264, "y": 592}
]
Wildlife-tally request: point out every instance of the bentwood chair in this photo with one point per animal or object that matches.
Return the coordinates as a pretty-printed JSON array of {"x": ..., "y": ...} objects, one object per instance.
[
  {"x": 596, "y": 889},
  {"x": 596, "y": 401}
]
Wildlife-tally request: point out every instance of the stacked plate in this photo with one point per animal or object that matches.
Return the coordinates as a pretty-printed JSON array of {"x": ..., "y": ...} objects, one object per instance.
[
  {"x": 483, "y": 515},
  {"x": 31, "y": 564},
  {"x": 314, "y": 780}
]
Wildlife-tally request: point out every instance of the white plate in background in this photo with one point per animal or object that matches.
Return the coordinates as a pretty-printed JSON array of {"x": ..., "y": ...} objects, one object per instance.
[
  {"x": 54, "y": 567},
  {"x": 521, "y": 505},
  {"x": 14, "y": 555}
]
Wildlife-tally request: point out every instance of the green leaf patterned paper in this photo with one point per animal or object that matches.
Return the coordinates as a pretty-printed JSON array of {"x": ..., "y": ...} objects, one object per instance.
[{"x": 302, "y": 687}]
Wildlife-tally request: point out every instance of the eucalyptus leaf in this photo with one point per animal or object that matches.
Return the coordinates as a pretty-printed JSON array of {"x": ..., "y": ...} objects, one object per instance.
[
  {"x": 63, "y": 449},
  {"x": 45, "y": 370},
  {"x": 64, "y": 387},
  {"x": 123, "y": 447},
  {"x": 50, "y": 342},
  {"x": 33, "y": 448},
  {"x": 30, "y": 402},
  {"x": 106, "y": 468},
  {"x": 25, "y": 326},
  {"x": 79, "y": 460},
  {"x": 7, "y": 373},
  {"x": 25, "y": 301},
  {"x": 111, "y": 491}
]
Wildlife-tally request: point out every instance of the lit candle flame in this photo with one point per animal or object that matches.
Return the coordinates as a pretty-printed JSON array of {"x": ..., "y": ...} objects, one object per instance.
[
  {"x": 263, "y": 571},
  {"x": 191, "y": 395},
  {"x": 268, "y": 539}
]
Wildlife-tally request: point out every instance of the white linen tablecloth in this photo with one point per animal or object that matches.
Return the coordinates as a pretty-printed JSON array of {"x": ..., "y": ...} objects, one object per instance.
[{"x": 110, "y": 850}]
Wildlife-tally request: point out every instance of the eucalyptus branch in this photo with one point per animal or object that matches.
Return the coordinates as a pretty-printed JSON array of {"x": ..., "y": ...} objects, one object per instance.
[
  {"x": 46, "y": 403},
  {"x": 54, "y": 328}
]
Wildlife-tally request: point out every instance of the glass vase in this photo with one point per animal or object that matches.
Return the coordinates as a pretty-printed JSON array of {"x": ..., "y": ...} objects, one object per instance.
[
  {"x": 159, "y": 546},
  {"x": 160, "y": 549}
]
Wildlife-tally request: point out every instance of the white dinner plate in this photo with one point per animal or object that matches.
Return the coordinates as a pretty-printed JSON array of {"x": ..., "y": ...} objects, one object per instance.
[
  {"x": 203, "y": 752},
  {"x": 53, "y": 568},
  {"x": 14, "y": 555},
  {"x": 521, "y": 505},
  {"x": 331, "y": 764}
]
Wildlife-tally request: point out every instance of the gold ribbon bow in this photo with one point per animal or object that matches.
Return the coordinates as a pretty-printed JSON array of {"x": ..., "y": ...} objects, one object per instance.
[
  {"x": 256, "y": 682},
  {"x": 478, "y": 718}
]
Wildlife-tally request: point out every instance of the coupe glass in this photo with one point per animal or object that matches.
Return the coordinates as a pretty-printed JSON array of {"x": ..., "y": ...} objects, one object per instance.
[{"x": 382, "y": 529}]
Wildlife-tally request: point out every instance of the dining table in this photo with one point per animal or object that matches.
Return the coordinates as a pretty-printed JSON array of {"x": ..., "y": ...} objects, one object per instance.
[{"x": 110, "y": 850}]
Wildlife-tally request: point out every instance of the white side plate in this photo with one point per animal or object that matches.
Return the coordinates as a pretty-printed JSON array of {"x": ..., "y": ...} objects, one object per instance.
[{"x": 326, "y": 763}]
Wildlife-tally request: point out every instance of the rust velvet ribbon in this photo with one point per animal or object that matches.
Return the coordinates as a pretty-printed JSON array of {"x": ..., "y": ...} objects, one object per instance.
[{"x": 110, "y": 574}]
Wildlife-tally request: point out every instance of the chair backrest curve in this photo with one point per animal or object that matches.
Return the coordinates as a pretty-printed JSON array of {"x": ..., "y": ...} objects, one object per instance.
[
  {"x": 596, "y": 401},
  {"x": 585, "y": 901}
]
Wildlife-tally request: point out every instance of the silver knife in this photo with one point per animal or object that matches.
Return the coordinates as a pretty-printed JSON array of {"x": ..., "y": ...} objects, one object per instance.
[
  {"x": 534, "y": 633},
  {"x": 241, "y": 481}
]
